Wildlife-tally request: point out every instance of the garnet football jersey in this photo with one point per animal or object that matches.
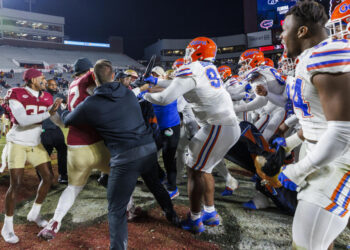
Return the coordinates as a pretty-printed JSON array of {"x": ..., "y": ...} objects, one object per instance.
[
  {"x": 27, "y": 135},
  {"x": 77, "y": 93}
]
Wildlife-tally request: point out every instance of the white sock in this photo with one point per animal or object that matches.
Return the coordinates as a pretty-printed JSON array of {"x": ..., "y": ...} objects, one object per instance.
[
  {"x": 66, "y": 201},
  {"x": 195, "y": 216},
  {"x": 7, "y": 231},
  {"x": 35, "y": 211},
  {"x": 231, "y": 182},
  {"x": 8, "y": 224},
  {"x": 209, "y": 209}
]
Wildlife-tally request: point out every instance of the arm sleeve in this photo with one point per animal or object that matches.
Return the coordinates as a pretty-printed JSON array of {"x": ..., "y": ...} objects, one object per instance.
[
  {"x": 136, "y": 91},
  {"x": 21, "y": 116},
  {"x": 164, "y": 83},
  {"x": 74, "y": 118},
  {"x": 332, "y": 144},
  {"x": 291, "y": 121},
  {"x": 258, "y": 102},
  {"x": 177, "y": 88},
  {"x": 279, "y": 100},
  {"x": 237, "y": 93}
]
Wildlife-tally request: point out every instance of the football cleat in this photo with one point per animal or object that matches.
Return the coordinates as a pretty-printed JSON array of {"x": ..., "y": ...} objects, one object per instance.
[
  {"x": 9, "y": 237},
  {"x": 194, "y": 226},
  {"x": 210, "y": 219},
  {"x": 249, "y": 205},
  {"x": 50, "y": 231},
  {"x": 227, "y": 192},
  {"x": 174, "y": 194}
]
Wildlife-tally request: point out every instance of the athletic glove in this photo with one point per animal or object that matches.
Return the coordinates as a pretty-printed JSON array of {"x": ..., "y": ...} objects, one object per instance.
[
  {"x": 151, "y": 79},
  {"x": 248, "y": 87},
  {"x": 286, "y": 182},
  {"x": 279, "y": 142}
]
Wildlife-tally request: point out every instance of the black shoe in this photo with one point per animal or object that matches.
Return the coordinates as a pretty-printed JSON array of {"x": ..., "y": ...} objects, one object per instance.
[
  {"x": 63, "y": 179},
  {"x": 174, "y": 219},
  {"x": 103, "y": 180}
]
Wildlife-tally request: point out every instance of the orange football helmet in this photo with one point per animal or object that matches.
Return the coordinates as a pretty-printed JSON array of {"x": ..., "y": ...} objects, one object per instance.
[
  {"x": 250, "y": 59},
  {"x": 339, "y": 23},
  {"x": 178, "y": 63},
  {"x": 225, "y": 72},
  {"x": 269, "y": 62},
  {"x": 200, "y": 49}
]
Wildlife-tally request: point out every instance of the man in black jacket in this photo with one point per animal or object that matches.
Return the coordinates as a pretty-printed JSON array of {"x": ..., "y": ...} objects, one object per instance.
[
  {"x": 114, "y": 112},
  {"x": 52, "y": 136}
]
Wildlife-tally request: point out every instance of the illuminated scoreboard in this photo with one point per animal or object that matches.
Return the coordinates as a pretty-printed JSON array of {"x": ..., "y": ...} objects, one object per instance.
[{"x": 270, "y": 13}]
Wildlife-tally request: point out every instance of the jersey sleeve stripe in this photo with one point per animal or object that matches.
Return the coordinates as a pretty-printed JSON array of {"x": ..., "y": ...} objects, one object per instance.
[
  {"x": 185, "y": 74},
  {"x": 330, "y": 52},
  {"x": 326, "y": 64},
  {"x": 184, "y": 70}
]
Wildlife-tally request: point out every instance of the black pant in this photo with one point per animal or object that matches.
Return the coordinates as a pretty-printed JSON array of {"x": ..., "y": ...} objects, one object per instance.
[
  {"x": 54, "y": 138},
  {"x": 169, "y": 146},
  {"x": 121, "y": 183}
]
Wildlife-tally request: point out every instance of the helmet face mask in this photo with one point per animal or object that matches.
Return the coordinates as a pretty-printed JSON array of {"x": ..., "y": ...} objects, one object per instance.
[
  {"x": 339, "y": 29},
  {"x": 287, "y": 66},
  {"x": 245, "y": 65},
  {"x": 188, "y": 55},
  {"x": 339, "y": 23}
]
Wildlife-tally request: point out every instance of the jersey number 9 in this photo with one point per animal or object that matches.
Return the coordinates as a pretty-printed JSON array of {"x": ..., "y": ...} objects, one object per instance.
[{"x": 213, "y": 78}]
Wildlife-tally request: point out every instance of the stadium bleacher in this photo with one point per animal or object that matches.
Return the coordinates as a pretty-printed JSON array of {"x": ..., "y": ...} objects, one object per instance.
[{"x": 11, "y": 55}]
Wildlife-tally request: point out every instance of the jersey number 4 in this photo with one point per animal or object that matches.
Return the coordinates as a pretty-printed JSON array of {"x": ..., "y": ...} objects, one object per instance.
[
  {"x": 298, "y": 100},
  {"x": 213, "y": 78}
]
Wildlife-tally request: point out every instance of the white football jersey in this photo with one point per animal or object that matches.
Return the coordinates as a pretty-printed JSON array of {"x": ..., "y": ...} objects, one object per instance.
[
  {"x": 211, "y": 103},
  {"x": 327, "y": 57},
  {"x": 269, "y": 77},
  {"x": 329, "y": 186}
]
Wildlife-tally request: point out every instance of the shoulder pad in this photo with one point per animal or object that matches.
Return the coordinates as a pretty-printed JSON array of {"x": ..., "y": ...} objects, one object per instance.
[{"x": 329, "y": 57}]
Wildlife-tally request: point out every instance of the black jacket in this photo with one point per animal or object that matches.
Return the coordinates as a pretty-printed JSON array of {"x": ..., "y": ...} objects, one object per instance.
[
  {"x": 48, "y": 124},
  {"x": 115, "y": 113}
]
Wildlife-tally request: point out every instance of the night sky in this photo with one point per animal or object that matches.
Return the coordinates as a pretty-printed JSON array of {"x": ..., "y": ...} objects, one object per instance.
[{"x": 141, "y": 22}]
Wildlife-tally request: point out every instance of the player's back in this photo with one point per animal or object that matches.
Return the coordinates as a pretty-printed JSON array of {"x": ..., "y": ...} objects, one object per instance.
[
  {"x": 78, "y": 91},
  {"x": 211, "y": 103}
]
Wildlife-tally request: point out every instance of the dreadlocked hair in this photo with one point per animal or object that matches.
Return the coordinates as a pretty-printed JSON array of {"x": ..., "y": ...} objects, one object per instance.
[{"x": 309, "y": 12}]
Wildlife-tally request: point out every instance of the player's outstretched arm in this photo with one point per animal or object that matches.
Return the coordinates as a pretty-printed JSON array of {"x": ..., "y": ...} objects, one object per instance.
[
  {"x": 21, "y": 116},
  {"x": 334, "y": 93},
  {"x": 177, "y": 88},
  {"x": 76, "y": 117},
  {"x": 258, "y": 102}
]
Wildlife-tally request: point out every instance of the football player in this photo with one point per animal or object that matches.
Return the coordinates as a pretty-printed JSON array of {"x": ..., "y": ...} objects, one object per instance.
[
  {"x": 199, "y": 82},
  {"x": 86, "y": 150},
  {"x": 29, "y": 107},
  {"x": 322, "y": 98},
  {"x": 271, "y": 116}
]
